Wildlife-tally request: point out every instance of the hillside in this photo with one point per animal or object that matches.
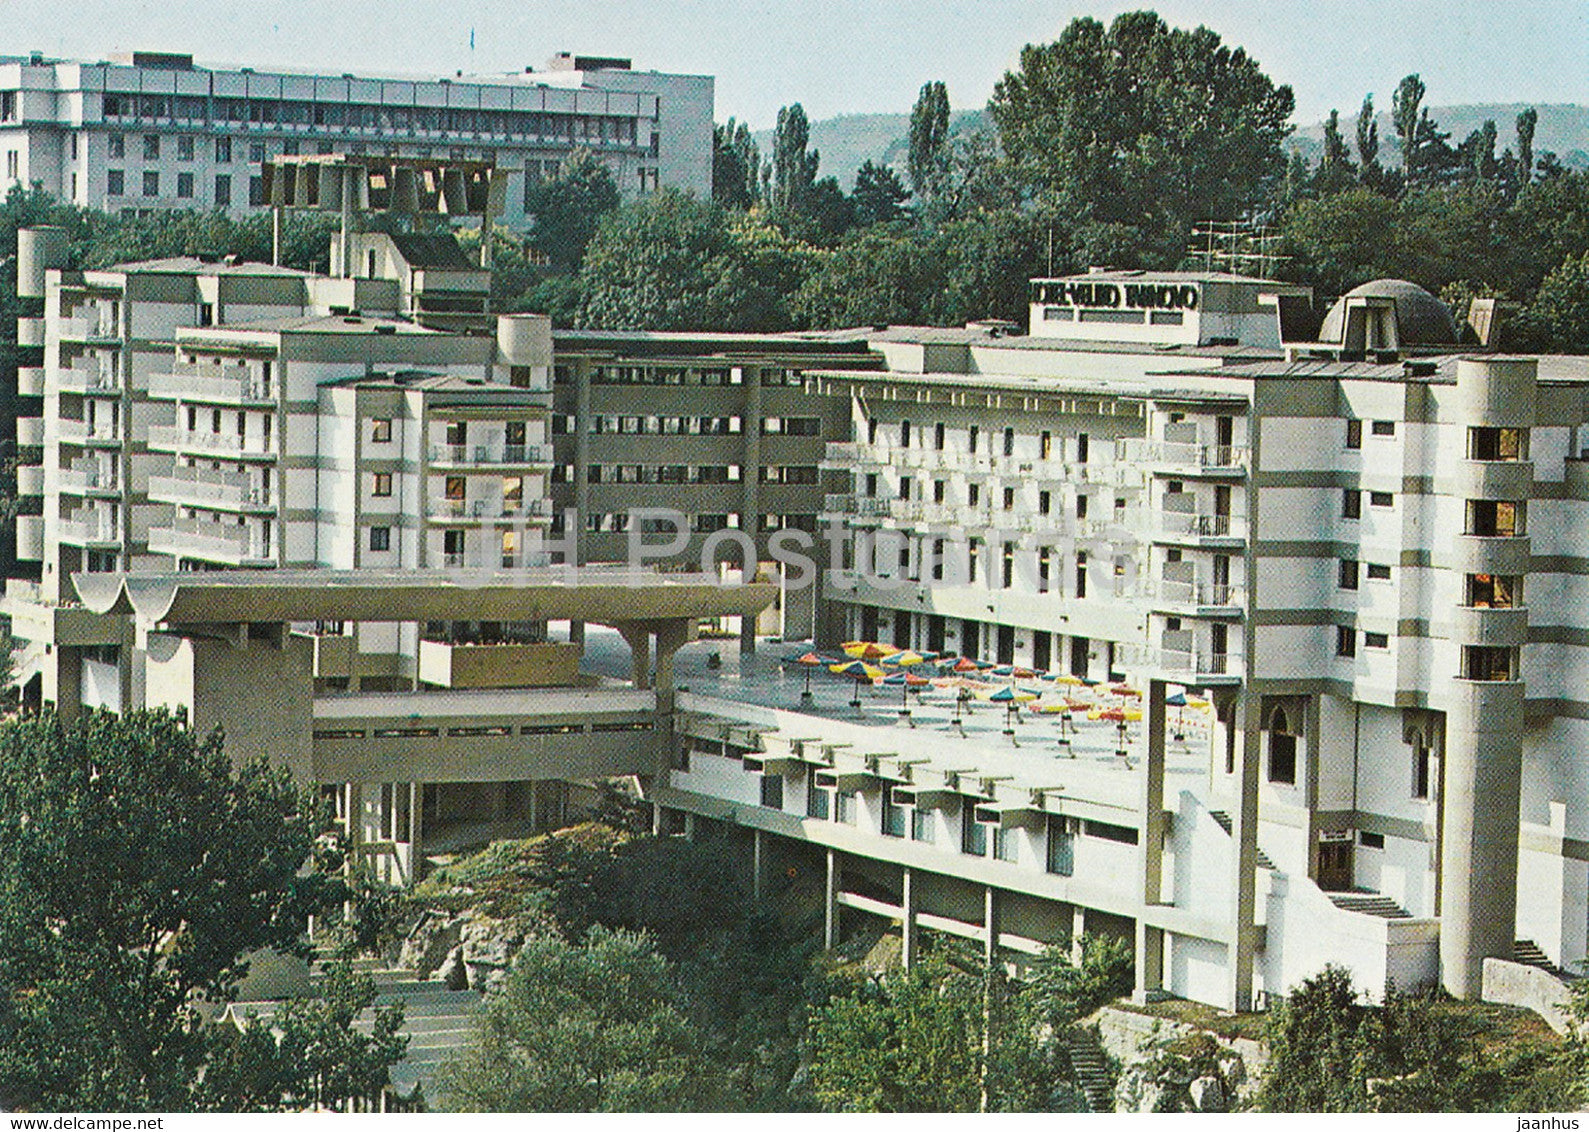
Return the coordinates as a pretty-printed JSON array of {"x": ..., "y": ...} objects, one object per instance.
[{"x": 850, "y": 139}]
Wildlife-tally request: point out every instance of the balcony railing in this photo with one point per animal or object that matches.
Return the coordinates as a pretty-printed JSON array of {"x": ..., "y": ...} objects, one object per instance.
[
  {"x": 228, "y": 389},
  {"x": 78, "y": 432},
  {"x": 88, "y": 379},
  {"x": 1192, "y": 665},
  {"x": 89, "y": 526},
  {"x": 87, "y": 328},
  {"x": 474, "y": 455},
  {"x": 211, "y": 541},
  {"x": 167, "y": 438},
  {"x": 489, "y": 510},
  {"x": 1205, "y": 594},
  {"x": 208, "y": 488},
  {"x": 86, "y": 476},
  {"x": 1184, "y": 457},
  {"x": 1191, "y": 524}
]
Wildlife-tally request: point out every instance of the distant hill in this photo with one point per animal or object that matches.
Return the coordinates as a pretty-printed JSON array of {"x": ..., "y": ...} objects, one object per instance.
[{"x": 849, "y": 140}]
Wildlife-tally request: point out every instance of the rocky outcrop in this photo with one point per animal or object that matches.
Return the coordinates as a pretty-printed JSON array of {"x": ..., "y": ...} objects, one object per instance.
[{"x": 462, "y": 949}]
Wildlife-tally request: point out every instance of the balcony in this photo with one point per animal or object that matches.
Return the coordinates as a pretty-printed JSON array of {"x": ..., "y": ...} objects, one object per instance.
[
  {"x": 535, "y": 511},
  {"x": 1189, "y": 667},
  {"x": 196, "y": 487},
  {"x": 30, "y": 332},
  {"x": 88, "y": 477},
  {"x": 859, "y": 507},
  {"x": 448, "y": 664},
  {"x": 1199, "y": 596},
  {"x": 88, "y": 379},
  {"x": 30, "y": 381},
  {"x": 30, "y": 479},
  {"x": 68, "y": 431},
  {"x": 94, "y": 327},
  {"x": 490, "y": 455},
  {"x": 210, "y": 541},
  {"x": 90, "y": 527},
  {"x": 235, "y": 388},
  {"x": 1185, "y": 459},
  {"x": 1211, "y": 530},
  {"x": 168, "y": 438},
  {"x": 30, "y": 432}
]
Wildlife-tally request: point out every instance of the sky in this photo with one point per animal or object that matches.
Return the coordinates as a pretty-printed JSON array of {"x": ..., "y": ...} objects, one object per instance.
[{"x": 844, "y": 56}]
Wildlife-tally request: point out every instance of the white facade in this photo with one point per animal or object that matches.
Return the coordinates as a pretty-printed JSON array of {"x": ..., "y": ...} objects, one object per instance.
[{"x": 158, "y": 132}]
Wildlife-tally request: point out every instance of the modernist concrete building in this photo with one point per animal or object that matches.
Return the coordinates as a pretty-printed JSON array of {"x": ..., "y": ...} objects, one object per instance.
[
  {"x": 156, "y": 131},
  {"x": 1175, "y": 481}
]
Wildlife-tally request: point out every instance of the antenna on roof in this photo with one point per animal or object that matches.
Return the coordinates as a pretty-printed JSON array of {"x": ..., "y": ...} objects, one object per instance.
[{"x": 1240, "y": 247}]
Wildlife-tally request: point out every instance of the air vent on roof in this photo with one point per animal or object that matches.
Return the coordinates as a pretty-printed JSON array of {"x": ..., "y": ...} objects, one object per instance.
[
  {"x": 386, "y": 330},
  {"x": 1418, "y": 369}
]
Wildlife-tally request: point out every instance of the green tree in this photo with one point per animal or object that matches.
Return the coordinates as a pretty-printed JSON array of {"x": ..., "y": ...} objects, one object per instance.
[
  {"x": 1336, "y": 171},
  {"x": 592, "y": 1028},
  {"x": 1318, "y": 1059},
  {"x": 1527, "y": 121},
  {"x": 1138, "y": 123},
  {"x": 1369, "y": 170},
  {"x": 1426, "y": 159},
  {"x": 159, "y": 867},
  {"x": 794, "y": 170},
  {"x": 736, "y": 166},
  {"x": 879, "y": 195},
  {"x": 1560, "y": 311},
  {"x": 310, "y": 1055},
  {"x": 568, "y": 207},
  {"x": 928, "y": 161},
  {"x": 882, "y": 275}
]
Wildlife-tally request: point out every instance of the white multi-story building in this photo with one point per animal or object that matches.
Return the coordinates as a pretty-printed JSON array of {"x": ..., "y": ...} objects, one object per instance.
[
  {"x": 1361, "y": 546},
  {"x": 156, "y": 131}
]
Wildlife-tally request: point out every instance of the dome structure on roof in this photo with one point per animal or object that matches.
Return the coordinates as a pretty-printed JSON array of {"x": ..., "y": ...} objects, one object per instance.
[{"x": 1421, "y": 319}]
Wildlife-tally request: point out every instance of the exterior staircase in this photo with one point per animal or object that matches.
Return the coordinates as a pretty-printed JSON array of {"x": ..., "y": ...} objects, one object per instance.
[
  {"x": 1223, "y": 818},
  {"x": 1369, "y": 904},
  {"x": 1529, "y": 953},
  {"x": 1091, "y": 1070}
]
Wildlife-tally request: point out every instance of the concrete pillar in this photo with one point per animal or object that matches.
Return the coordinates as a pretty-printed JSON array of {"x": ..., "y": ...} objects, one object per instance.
[
  {"x": 656, "y": 820},
  {"x": 416, "y": 829},
  {"x": 671, "y": 636},
  {"x": 756, "y": 864},
  {"x": 750, "y": 508},
  {"x": 689, "y": 826},
  {"x": 1152, "y": 797},
  {"x": 1478, "y": 866},
  {"x": 830, "y": 903},
  {"x": 907, "y": 920},
  {"x": 990, "y": 926},
  {"x": 1244, "y": 833},
  {"x": 637, "y": 636},
  {"x": 575, "y": 533},
  {"x": 1078, "y": 928},
  {"x": 576, "y": 633},
  {"x": 1150, "y": 962}
]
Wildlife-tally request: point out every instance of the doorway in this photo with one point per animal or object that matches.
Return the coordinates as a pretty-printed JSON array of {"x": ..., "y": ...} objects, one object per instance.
[{"x": 1335, "y": 863}]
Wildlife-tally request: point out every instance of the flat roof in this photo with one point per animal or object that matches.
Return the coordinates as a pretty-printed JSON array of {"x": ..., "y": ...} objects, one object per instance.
[{"x": 237, "y": 597}]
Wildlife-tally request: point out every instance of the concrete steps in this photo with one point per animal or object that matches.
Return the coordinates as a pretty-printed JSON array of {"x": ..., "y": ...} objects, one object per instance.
[
  {"x": 1091, "y": 1070},
  {"x": 1527, "y": 952},
  {"x": 1229, "y": 827},
  {"x": 1369, "y": 904}
]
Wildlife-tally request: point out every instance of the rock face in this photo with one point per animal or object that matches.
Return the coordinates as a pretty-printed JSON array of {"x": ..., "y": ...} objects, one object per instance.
[
  {"x": 1208, "y": 1094},
  {"x": 1130, "y": 1039},
  {"x": 466, "y": 949}
]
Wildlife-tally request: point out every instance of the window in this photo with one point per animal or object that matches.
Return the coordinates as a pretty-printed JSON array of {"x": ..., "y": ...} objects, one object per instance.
[
  {"x": 256, "y": 191},
  {"x": 1354, "y": 434},
  {"x": 819, "y": 802},
  {"x": 772, "y": 791},
  {"x": 971, "y": 439},
  {"x": 939, "y": 490},
  {"x": 1422, "y": 771},
  {"x": 973, "y": 834},
  {"x": 1490, "y": 518},
  {"x": 115, "y": 183},
  {"x": 1082, "y": 448},
  {"x": 1489, "y": 662},
  {"x": 380, "y": 538},
  {"x": 904, "y": 434},
  {"x": 1495, "y": 444},
  {"x": 1489, "y": 591},
  {"x": 1045, "y": 502},
  {"x": 1009, "y": 442},
  {"x": 1351, "y": 504},
  {"x": 938, "y": 436},
  {"x": 1009, "y": 499},
  {"x": 1081, "y": 506},
  {"x": 1384, "y": 428},
  {"x": 381, "y": 431},
  {"x": 1081, "y": 574},
  {"x": 223, "y": 191},
  {"x": 1061, "y": 857},
  {"x": 1380, "y": 499},
  {"x": 1348, "y": 574},
  {"x": 256, "y": 152},
  {"x": 922, "y": 826},
  {"x": 185, "y": 185},
  {"x": 383, "y": 484},
  {"x": 151, "y": 147},
  {"x": 1345, "y": 641},
  {"x": 893, "y": 814},
  {"x": 973, "y": 494},
  {"x": 1378, "y": 572},
  {"x": 1376, "y": 640},
  {"x": 1005, "y": 845},
  {"x": 1370, "y": 840},
  {"x": 1282, "y": 752},
  {"x": 12, "y": 168},
  {"x": 185, "y": 149},
  {"x": 118, "y": 145},
  {"x": 151, "y": 183},
  {"x": 223, "y": 150}
]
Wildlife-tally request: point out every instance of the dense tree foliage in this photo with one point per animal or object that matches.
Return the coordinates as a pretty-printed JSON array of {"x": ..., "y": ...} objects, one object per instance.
[
  {"x": 158, "y": 867},
  {"x": 566, "y": 208},
  {"x": 929, "y": 154}
]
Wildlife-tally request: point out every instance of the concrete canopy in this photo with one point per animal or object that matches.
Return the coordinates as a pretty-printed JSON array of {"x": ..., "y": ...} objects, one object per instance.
[{"x": 603, "y": 597}]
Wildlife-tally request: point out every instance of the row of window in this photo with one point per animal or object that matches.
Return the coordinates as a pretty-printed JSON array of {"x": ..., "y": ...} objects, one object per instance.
[
  {"x": 1484, "y": 442},
  {"x": 549, "y": 126},
  {"x": 965, "y": 565},
  {"x": 116, "y": 186},
  {"x": 1083, "y": 441},
  {"x": 621, "y": 522},
  {"x": 563, "y": 424}
]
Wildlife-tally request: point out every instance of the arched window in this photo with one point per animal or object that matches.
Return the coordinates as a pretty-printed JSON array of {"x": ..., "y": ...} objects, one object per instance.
[{"x": 1282, "y": 750}]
